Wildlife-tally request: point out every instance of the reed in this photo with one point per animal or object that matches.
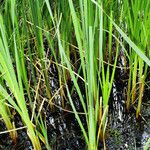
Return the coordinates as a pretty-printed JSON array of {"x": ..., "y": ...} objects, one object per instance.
[
  {"x": 90, "y": 42},
  {"x": 137, "y": 28},
  {"x": 83, "y": 38}
]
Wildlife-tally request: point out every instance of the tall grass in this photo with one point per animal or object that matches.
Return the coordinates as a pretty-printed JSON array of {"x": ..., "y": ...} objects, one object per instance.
[
  {"x": 138, "y": 28},
  {"x": 86, "y": 36},
  {"x": 84, "y": 41},
  {"x": 90, "y": 42},
  {"x": 15, "y": 77},
  {"x": 14, "y": 83}
]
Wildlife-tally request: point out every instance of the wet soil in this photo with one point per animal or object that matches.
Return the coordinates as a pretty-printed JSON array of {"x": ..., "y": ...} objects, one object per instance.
[{"x": 124, "y": 132}]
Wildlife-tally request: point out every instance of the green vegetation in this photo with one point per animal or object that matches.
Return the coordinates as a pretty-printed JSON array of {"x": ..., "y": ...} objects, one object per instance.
[{"x": 84, "y": 38}]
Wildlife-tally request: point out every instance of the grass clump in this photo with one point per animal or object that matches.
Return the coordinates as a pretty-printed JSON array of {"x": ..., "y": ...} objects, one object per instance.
[
  {"x": 85, "y": 39},
  {"x": 138, "y": 28}
]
